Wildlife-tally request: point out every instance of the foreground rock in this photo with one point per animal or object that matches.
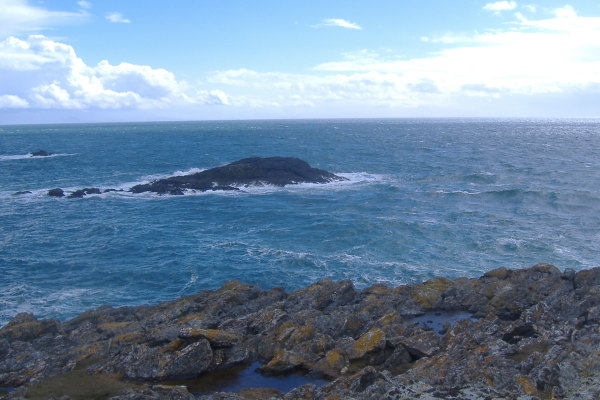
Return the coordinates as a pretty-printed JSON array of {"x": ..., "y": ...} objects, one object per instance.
[{"x": 532, "y": 333}]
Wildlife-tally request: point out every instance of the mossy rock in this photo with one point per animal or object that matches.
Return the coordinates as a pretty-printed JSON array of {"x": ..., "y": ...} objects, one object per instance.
[
  {"x": 290, "y": 334},
  {"x": 498, "y": 273},
  {"x": 28, "y": 330},
  {"x": 286, "y": 361},
  {"x": 78, "y": 385},
  {"x": 332, "y": 365},
  {"x": 370, "y": 341},
  {"x": 217, "y": 338},
  {"x": 427, "y": 293}
]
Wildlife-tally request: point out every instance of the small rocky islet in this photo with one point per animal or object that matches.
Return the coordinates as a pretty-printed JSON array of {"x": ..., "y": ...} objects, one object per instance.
[
  {"x": 511, "y": 334},
  {"x": 254, "y": 171},
  {"x": 40, "y": 153}
]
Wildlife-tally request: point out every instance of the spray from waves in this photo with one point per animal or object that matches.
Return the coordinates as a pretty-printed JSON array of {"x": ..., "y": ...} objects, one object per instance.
[{"x": 50, "y": 303}]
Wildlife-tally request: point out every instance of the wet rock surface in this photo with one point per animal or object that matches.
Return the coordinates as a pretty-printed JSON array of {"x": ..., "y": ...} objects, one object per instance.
[
  {"x": 531, "y": 333},
  {"x": 57, "y": 192}
]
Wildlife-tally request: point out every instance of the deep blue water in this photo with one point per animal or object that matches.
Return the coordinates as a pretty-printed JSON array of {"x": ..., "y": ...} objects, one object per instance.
[{"x": 425, "y": 198}]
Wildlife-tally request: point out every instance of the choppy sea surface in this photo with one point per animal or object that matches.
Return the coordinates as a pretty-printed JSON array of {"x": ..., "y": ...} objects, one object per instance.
[{"x": 424, "y": 198}]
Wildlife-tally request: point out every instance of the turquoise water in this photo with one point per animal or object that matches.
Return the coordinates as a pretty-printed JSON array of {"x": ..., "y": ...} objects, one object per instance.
[{"x": 424, "y": 198}]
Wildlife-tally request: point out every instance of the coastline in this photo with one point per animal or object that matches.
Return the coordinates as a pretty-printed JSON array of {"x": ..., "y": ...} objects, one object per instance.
[{"x": 527, "y": 333}]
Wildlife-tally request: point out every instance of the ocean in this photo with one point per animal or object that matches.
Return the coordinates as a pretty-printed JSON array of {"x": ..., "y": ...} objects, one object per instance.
[{"x": 424, "y": 198}]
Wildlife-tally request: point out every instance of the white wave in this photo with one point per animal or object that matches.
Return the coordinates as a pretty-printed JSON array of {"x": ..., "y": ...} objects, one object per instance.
[
  {"x": 15, "y": 157},
  {"x": 354, "y": 179},
  {"x": 465, "y": 192},
  {"x": 29, "y": 155},
  {"x": 61, "y": 302},
  {"x": 361, "y": 177},
  {"x": 190, "y": 283},
  {"x": 151, "y": 178},
  {"x": 122, "y": 188}
]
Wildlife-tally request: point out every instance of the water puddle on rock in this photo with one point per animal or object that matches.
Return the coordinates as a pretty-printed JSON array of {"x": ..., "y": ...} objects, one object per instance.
[
  {"x": 440, "y": 321},
  {"x": 245, "y": 377}
]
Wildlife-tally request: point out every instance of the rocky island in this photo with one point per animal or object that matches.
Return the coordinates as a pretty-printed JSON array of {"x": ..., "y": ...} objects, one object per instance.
[
  {"x": 254, "y": 171},
  {"x": 510, "y": 334}
]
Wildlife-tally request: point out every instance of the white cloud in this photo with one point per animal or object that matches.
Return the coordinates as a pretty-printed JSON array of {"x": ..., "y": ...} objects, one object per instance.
[
  {"x": 565, "y": 12},
  {"x": 117, "y": 17},
  {"x": 41, "y": 73},
  {"x": 84, "y": 4},
  {"x": 17, "y": 16},
  {"x": 531, "y": 58},
  {"x": 500, "y": 6},
  {"x": 338, "y": 22},
  {"x": 12, "y": 101},
  {"x": 553, "y": 57}
]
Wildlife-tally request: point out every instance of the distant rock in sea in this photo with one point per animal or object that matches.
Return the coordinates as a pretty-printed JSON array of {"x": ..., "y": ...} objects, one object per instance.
[
  {"x": 276, "y": 171},
  {"x": 82, "y": 192},
  {"x": 58, "y": 192},
  {"x": 40, "y": 153}
]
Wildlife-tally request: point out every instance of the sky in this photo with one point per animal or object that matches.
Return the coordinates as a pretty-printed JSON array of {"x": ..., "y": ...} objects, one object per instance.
[{"x": 113, "y": 61}]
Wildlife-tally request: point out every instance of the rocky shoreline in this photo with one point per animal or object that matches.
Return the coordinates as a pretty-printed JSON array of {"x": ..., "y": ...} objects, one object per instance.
[{"x": 515, "y": 334}]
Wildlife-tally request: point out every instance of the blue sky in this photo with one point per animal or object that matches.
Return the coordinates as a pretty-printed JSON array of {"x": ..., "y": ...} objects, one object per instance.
[{"x": 80, "y": 61}]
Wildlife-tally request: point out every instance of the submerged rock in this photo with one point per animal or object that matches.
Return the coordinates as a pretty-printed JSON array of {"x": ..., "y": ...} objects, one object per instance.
[{"x": 536, "y": 335}]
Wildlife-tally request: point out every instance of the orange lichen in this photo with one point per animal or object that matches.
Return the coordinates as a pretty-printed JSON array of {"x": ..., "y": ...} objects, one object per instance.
[
  {"x": 369, "y": 341},
  {"x": 526, "y": 383}
]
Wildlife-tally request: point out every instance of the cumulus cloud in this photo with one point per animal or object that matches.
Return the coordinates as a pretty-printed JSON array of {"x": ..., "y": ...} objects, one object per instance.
[
  {"x": 17, "y": 16},
  {"x": 338, "y": 22},
  {"x": 565, "y": 12},
  {"x": 532, "y": 58},
  {"x": 42, "y": 73},
  {"x": 117, "y": 17},
  {"x": 500, "y": 6},
  {"x": 12, "y": 101}
]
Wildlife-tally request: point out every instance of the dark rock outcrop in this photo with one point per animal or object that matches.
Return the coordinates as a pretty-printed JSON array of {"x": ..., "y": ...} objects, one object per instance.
[
  {"x": 40, "y": 153},
  {"x": 276, "y": 171},
  {"x": 83, "y": 192},
  {"x": 56, "y": 192},
  {"x": 256, "y": 171},
  {"x": 532, "y": 333}
]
